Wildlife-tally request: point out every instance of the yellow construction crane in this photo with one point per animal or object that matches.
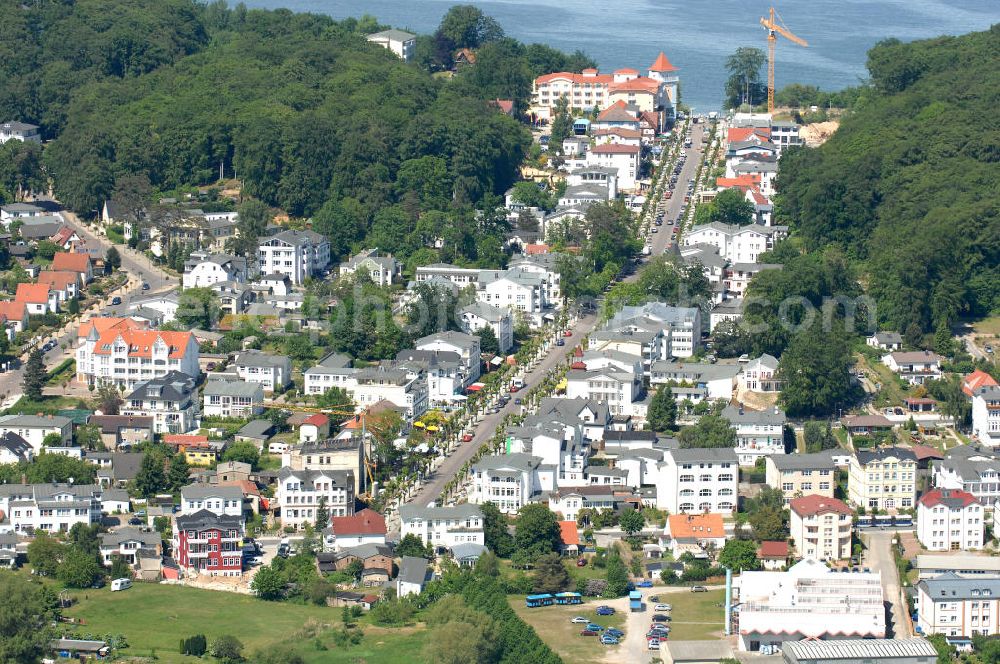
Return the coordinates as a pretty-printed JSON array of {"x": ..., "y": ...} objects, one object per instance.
[{"x": 775, "y": 28}]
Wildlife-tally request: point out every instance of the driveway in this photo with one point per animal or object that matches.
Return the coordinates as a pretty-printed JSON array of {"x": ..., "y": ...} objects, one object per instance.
[{"x": 878, "y": 557}]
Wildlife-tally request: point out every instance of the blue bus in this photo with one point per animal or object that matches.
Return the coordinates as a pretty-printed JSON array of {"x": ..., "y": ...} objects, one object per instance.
[
  {"x": 534, "y": 601},
  {"x": 568, "y": 598}
]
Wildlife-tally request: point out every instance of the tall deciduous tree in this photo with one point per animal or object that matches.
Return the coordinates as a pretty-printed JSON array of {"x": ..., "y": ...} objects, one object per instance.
[
  {"x": 711, "y": 430},
  {"x": 151, "y": 477},
  {"x": 550, "y": 574},
  {"x": 562, "y": 124},
  {"x": 27, "y": 611},
  {"x": 536, "y": 530},
  {"x": 498, "y": 538},
  {"x": 815, "y": 369},
  {"x": 744, "y": 85},
  {"x": 739, "y": 555}
]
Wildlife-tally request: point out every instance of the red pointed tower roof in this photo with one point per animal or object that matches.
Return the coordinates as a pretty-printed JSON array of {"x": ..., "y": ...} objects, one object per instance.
[{"x": 662, "y": 64}]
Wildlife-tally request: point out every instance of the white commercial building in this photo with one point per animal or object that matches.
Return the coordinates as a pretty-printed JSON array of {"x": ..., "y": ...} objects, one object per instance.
[
  {"x": 300, "y": 494},
  {"x": 295, "y": 254},
  {"x": 443, "y": 526},
  {"x": 125, "y": 357},
  {"x": 510, "y": 481},
  {"x": 955, "y": 606},
  {"x": 986, "y": 415}
]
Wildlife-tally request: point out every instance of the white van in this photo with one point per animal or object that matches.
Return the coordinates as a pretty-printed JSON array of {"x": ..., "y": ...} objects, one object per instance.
[{"x": 121, "y": 584}]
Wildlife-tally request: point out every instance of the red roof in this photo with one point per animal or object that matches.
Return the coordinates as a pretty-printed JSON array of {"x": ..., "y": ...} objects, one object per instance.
[
  {"x": 975, "y": 380},
  {"x": 758, "y": 198},
  {"x": 662, "y": 64},
  {"x": 246, "y": 486},
  {"x": 505, "y": 105},
  {"x": 140, "y": 342},
  {"x": 699, "y": 526},
  {"x": 924, "y": 452},
  {"x": 626, "y": 71},
  {"x": 365, "y": 522},
  {"x": 319, "y": 419},
  {"x": 58, "y": 279},
  {"x": 743, "y": 182},
  {"x": 737, "y": 134},
  {"x": 13, "y": 310},
  {"x": 813, "y": 504},
  {"x": 105, "y": 323},
  {"x": 624, "y": 132},
  {"x": 615, "y": 148},
  {"x": 951, "y": 498},
  {"x": 576, "y": 78},
  {"x": 183, "y": 439},
  {"x": 72, "y": 262},
  {"x": 536, "y": 249},
  {"x": 569, "y": 533},
  {"x": 773, "y": 550},
  {"x": 578, "y": 366},
  {"x": 616, "y": 112},
  {"x": 640, "y": 84},
  {"x": 32, "y": 293}
]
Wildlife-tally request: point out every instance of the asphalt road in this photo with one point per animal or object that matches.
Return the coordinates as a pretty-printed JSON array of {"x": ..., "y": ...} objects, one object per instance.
[
  {"x": 139, "y": 269},
  {"x": 672, "y": 207},
  {"x": 878, "y": 557}
]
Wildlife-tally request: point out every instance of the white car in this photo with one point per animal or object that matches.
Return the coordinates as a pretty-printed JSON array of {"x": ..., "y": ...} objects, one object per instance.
[
  {"x": 663, "y": 607},
  {"x": 580, "y": 620}
]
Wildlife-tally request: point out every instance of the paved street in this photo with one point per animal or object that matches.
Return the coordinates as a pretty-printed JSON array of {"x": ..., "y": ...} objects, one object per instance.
[
  {"x": 139, "y": 269},
  {"x": 878, "y": 557}
]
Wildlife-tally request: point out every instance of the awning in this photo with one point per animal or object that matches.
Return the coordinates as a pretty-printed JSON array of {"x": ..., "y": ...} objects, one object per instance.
[
  {"x": 562, "y": 384},
  {"x": 419, "y": 424},
  {"x": 496, "y": 361},
  {"x": 475, "y": 387}
]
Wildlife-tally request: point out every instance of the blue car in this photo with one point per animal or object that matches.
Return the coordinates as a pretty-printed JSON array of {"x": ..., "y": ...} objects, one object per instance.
[
  {"x": 617, "y": 633},
  {"x": 605, "y": 611},
  {"x": 609, "y": 640},
  {"x": 644, "y": 584},
  {"x": 594, "y": 627}
]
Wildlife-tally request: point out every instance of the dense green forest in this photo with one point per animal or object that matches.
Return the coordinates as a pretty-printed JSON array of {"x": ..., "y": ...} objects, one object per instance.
[
  {"x": 908, "y": 187},
  {"x": 301, "y": 109}
]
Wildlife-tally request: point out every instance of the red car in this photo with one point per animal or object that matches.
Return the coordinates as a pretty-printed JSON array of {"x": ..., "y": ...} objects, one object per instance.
[
  {"x": 588, "y": 632},
  {"x": 581, "y": 562},
  {"x": 467, "y": 438},
  {"x": 568, "y": 333}
]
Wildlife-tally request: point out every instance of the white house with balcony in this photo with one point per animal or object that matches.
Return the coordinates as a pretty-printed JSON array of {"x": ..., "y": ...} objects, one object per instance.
[
  {"x": 398, "y": 41},
  {"x": 219, "y": 500},
  {"x": 443, "y": 527},
  {"x": 950, "y": 520},
  {"x": 203, "y": 269},
  {"x": 403, "y": 388},
  {"x": 126, "y": 357},
  {"x": 618, "y": 389},
  {"x": 520, "y": 291},
  {"x": 510, "y": 481},
  {"x": 295, "y": 254},
  {"x": 333, "y": 370},
  {"x": 480, "y": 315},
  {"x": 759, "y": 433},
  {"x": 301, "y": 492},
  {"x": 169, "y": 400},
  {"x": 19, "y": 131},
  {"x": 986, "y": 415},
  {"x": 271, "y": 372},
  {"x": 914, "y": 367},
  {"x": 232, "y": 398},
  {"x": 382, "y": 269}
]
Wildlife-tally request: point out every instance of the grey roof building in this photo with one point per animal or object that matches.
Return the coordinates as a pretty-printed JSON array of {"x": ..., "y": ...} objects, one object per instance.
[
  {"x": 814, "y": 461},
  {"x": 867, "y": 456},
  {"x": 414, "y": 572},
  {"x": 704, "y": 454},
  {"x": 853, "y": 651}
]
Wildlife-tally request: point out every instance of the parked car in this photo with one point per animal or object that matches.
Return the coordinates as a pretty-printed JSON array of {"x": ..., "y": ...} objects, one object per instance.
[
  {"x": 588, "y": 632},
  {"x": 595, "y": 627},
  {"x": 560, "y": 342},
  {"x": 604, "y": 610},
  {"x": 660, "y": 618},
  {"x": 617, "y": 633},
  {"x": 644, "y": 584},
  {"x": 609, "y": 640},
  {"x": 283, "y": 550},
  {"x": 116, "y": 300},
  {"x": 568, "y": 333},
  {"x": 581, "y": 562},
  {"x": 580, "y": 619},
  {"x": 467, "y": 438},
  {"x": 518, "y": 401},
  {"x": 662, "y": 607},
  {"x": 145, "y": 286},
  {"x": 653, "y": 644},
  {"x": 699, "y": 589}
]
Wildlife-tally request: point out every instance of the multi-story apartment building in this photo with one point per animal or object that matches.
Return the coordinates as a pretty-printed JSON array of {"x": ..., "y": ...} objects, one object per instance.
[
  {"x": 126, "y": 357},
  {"x": 232, "y": 398},
  {"x": 510, "y": 481},
  {"x": 718, "y": 380},
  {"x": 517, "y": 290},
  {"x": 479, "y": 315},
  {"x": 950, "y": 520},
  {"x": 208, "y": 544},
  {"x": 219, "y": 500},
  {"x": 680, "y": 327},
  {"x": 169, "y": 400},
  {"x": 698, "y": 480},
  {"x": 272, "y": 372},
  {"x": 760, "y": 375},
  {"x": 301, "y": 492},
  {"x": 821, "y": 527},
  {"x": 402, "y": 388},
  {"x": 955, "y": 606},
  {"x": 329, "y": 454},
  {"x": 333, "y": 370},
  {"x": 460, "y": 276},
  {"x": 295, "y": 254},
  {"x": 986, "y": 415},
  {"x": 801, "y": 474},
  {"x": 737, "y": 244},
  {"x": 34, "y": 429},
  {"x": 444, "y": 371},
  {"x": 759, "y": 433},
  {"x": 443, "y": 527},
  {"x": 466, "y": 346},
  {"x": 49, "y": 508},
  {"x": 883, "y": 479},
  {"x": 399, "y": 42},
  {"x": 618, "y": 389},
  {"x": 967, "y": 469}
]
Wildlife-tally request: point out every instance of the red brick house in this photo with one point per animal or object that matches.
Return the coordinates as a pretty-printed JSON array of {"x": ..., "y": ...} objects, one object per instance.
[{"x": 209, "y": 544}]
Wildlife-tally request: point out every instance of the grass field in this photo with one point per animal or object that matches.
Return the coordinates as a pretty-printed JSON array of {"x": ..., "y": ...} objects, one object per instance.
[
  {"x": 988, "y": 326},
  {"x": 696, "y": 616},
  {"x": 552, "y": 623},
  {"x": 155, "y": 618}
]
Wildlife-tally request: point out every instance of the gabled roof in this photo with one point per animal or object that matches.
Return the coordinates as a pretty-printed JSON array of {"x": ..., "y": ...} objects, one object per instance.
[
  {"x": 587, "y": 76},
  {"x": 773, "y": 550},
  {"x": 866, "y": 456},
  {"x": 616, "y": 112},
  {"x": 71, "y": 261},
  {"x": 568, "y": 533},
  {"x": 140, "y": 342},
  {"x": 59, "y": 279},
  {"x": 32, "y": 293},
  {"x": 975, "y": 380},
  {"x": 615, "y": 148},
  {"x": 13, "y": 311},
  {"x": 365, "y": 522},
  {"x": 953, "y": 499},
  {"x": 413, "y": 570},
  {"x": 696, "y": 526},
  {"x": 662, "y": 64}
]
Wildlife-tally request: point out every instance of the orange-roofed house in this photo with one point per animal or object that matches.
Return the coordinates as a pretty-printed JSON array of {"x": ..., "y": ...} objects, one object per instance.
[
  {"x": 773, "y": 555},
  {"x": 973, "y": 381},
  {"x": 104, "y": 323},
  {"x": 14, "y": 316},
  {"x": 744, "y": 182},
  {"x": 125, "y": 357},
  {"x": 569, "y": 538},
  {"x": 740, "y": 134},
  {"x": 65, "y": 284},
  {"x": 73, "y": 262},
  {"x": 694, "y": 532},
  {"x": 39, "y": 299},
  {"x": 364, "y": 527},
  {"x": 316, "y": 427}
]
